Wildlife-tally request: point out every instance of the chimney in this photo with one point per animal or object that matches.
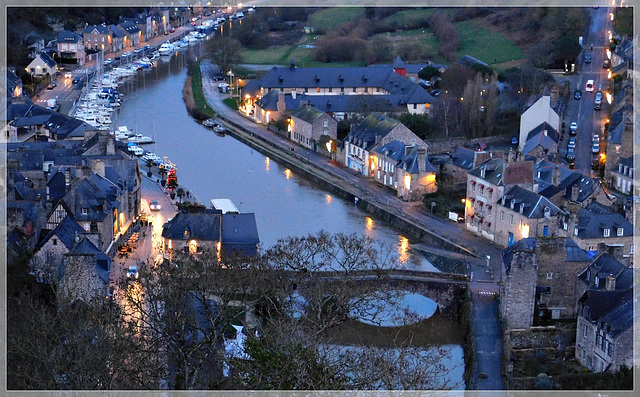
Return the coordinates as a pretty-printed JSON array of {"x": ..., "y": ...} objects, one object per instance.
[
  {"x": 97, "y": 166},
  {"x": 556, "y": 179},
  {"x": 575, "y": 192},
  {"x": 293, "y": 64},
  {"x": 422, "y": 159},
  {"x": 610, "y": 283},
  {"x": 281, "y": 105}
]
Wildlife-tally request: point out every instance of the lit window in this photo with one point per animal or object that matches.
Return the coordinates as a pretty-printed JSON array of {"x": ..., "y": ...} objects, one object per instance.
[
  {"x": 575, "y": 231},
  {"x": 607, "y": 232},
  {"x": 85, "y": 211},
  {"x": 620, "y": 231}
]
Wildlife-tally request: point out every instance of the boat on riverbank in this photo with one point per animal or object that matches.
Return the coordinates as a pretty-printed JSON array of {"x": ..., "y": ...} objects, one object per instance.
[
  {"x": 166, "y": 48},
  {"x": 140, "y": 139}
]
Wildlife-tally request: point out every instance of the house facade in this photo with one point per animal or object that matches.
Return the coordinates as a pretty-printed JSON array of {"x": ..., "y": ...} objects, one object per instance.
[
  {"x": 71, "y": 45},
  {"x": 98, "y": 37},
  {"x": 42, "y": 65},
  {"x": 133, "y": 36},
  {"x": 313, "y": 129},
  {"x": 622, "y": 176},
  {"x": 374, "y": 131}
]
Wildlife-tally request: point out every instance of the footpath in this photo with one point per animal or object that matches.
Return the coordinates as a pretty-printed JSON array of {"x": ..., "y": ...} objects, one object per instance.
[{"x": 483, "y": 259}]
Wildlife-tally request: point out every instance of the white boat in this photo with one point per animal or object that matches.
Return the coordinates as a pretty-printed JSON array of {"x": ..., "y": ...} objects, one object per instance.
[
  {"x": 165, "y": 49},
  {"x": 181, "y": 44},
  {"x": 140, "y": 139},
  {"x": 191, "y": 38}
]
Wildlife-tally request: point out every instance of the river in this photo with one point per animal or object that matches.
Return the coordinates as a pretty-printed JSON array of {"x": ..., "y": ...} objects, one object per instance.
[{"x": 212, "y": 166}]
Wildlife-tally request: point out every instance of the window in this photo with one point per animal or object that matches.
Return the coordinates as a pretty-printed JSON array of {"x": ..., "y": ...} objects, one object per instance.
[
  {"x": 549, "y": 275},
  {"x": 511, "y": 220},
  {"x": 318, "y": 89},
  {"x": 502, "y": 216},
  {"x": 85, "y": 211},
  {"x": 354, "y": 89},
  {"x": 584, "y": 333},
  {"x": 545, "y": 231},
  {"x": 584, "y": 354},
  {"x": 631, "y": 248},
  {"x": 330, "y": 89},
  {"x": 610, "y": 349},
  {"x": 342, "y": 90},
  {"x": 565, "y": 226},
  {"x": 325, "y": 123},
  {"x": 87, "y": 227},
  {"x": 378, "y": 90},
  {"x": 620, "y": 231},
  {"x": 415, "y": 106},
  {"x": 606, "y": 232},
  {"x": 325, "y": 132},
  {"x": 473, "y": 187},
  {"x": 575, "y": 231},
  {"x": 366, "y": 89},
  {"x": 597, "y": 337},
  {"x": 588, "y": 275},
  {"x": 186, "y": 233},
  {"x": 306, "y": 90},
  {"x": 55, "y": 241}
]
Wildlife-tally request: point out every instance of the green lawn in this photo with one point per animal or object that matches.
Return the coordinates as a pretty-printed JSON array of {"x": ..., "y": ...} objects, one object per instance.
[
  {"x": 329, "y": 18},
  {"x": 422, "y": 38},
  {"x": 486, "y": 45},
  {"x": 623, "y": 21},
  {"x": 231, "y": 102},
  {"x": 198, "y": 95},
  {"x": 267, "y": 56}
]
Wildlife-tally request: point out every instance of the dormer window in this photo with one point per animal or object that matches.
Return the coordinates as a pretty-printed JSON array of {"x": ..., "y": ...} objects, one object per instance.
[
  {"x": 620, "y": 232},
  {"x": 186, "y": 233},
  {"x": 85, "y": 211},
  {"x": 607, "y": 232},
  {"x": 513, "y": 203}
]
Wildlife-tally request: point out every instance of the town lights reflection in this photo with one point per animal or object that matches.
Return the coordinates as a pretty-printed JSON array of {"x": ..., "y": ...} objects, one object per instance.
[
  {"x": 267, "y": 163},
  {"x": 369, "y": 223},
  {"x": 287, "y": 172},
  {"x": 403, "y": 249},
  {"x": 329, "y": 198}
]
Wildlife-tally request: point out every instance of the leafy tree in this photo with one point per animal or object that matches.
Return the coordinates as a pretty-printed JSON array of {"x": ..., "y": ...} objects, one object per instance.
[
  {"x": 150, "y": 164},
  {"x": 224, "y": 51},
  {"x": 420, "y": 124},
  {"x": 429, "y": 73},
  {"x": 566, "y": 49},
  {"x": 180, "y": 193}
]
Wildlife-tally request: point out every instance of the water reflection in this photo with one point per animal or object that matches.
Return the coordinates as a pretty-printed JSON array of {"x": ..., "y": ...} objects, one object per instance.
[
  {"x": 403, "y": 249},
  {"x": 329, "y": 198},
  {"x": 287, "y": 172},
  {"x": 368, "y": 223},
  {"x": 267, "y": 162}
]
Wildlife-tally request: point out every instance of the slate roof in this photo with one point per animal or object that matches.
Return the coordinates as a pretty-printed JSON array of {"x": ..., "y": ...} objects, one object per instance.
[
  {"x": 624, "y": 49},
  {"x": 602, "y": 302},
  {"x": 308, "y": 114},
  {"x": 621, "y": 317},
  {"x": 593, "y": 219},
  {"x": 409, "y": 162},
  {"x": 624, "y": 161},
  {"x": 47, "y": 60},
  {"x": 615, "y": 135},
  {"x": 411, "y": 165},
  {"x": 494, "y": 171},
  {"x": 66, "y": 231},
  {"x": 240, "y": 233},
  {"x": 349, "y": 77},
  {"x": 543, "y": 175},
  {"x": 398, "y": 63},
  {"x": 603, "y": 266},
  {"x": 67, "y": 36},
  {"x": 102, "y": 29},
  {"x": 526, "y": 244},
  {"x": 117, "y": 32},
  {"x": 463, "y": 158},
  {"x": 337, "y": 103},
  {"x": 575, "y": 253},
  {"x": 534, "y": 204},
  {"x": 394, "y": 150},
  {"x": 374, "y": 125},
  {"x": 129, "y": 27},
  {"x": 201, "y": 226},
  {"x": 470, "y": 61},
  {"x": 88, "y": 195},
  {"x": 543, "y": 135},
  {"x": 62, "y": 126},
  {"x": 103, "y": 263},
  {"x": 13, "y": 81}
]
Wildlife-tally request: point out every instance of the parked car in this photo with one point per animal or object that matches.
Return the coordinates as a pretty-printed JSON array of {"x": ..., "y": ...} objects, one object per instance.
[
  {"x": 137, "y": 50},
  {"x": 435, "y": 92},
  {"x": 132, "y": 272},
  {"x": 606, "y": 64},
  {"x": 154, "y": 205},
  {"x": 598, "y": 100},
  {"x": 595, "y": 148},
  {"x": 52, "y": 85},
  {"x": 577, "y": 94},
  {"x": 587, "y": 58},
  {"x": 514, "y": 140},
  {"x": 68, "y": 75},
  {"x": 574, "y": 127},
  {"x": 75, "y": 80},
  {"x": 596, "y": 139},
  {"x": 166, "y": 33},
  {"x": 126, "y": 54},
  {"x": 572, "y": 142},
  {"x": 172, "y": 30},
  {"x": 571, "y": 154}
]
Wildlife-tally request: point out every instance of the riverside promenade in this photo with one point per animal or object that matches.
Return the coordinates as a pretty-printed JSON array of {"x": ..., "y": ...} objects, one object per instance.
[{"x": 483, "y": 258}]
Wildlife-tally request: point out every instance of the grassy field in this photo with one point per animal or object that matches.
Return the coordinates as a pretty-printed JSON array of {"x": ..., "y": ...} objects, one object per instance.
[
  {"x": 486, "y": 45},
  {"x": 231, "y": 102},
  {"x": 421, "y": 39},
  {"x": 282, "y": 55},
  {"x": 623, "y": 21},
  {"x": 329, "y": 18}
]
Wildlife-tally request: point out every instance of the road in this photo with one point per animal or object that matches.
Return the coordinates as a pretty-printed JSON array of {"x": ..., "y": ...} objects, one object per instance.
[{"x": 582, "y": 111}]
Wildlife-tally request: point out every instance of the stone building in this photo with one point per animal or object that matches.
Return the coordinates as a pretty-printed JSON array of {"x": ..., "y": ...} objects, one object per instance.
[
  {"x": 596, "y": 225},
  {"x": 461, "y": 162},
  {"x": 523, "y": 214},
  {"x": 622, "y": 176},
  {"x": 404, "y": 168},
  {"x": 86, "y": 273},
  {"x": 605, "y": 315},
  {"x": 486, "y": 185},
  {"x": 542, "y": 142},
  {"x": 539, "y": 280},
  {"x": 373, "y": 132},
  {"x": 537, "y": 115},
  {"x": 314, "y": 130},
  {"x": 98, "y": 37}
]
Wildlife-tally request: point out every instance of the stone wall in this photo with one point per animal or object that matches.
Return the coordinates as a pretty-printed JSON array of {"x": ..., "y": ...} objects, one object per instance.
[
  {"x": 450, "y": 144},
  {"x": 539, "y": 337},
  {"x": 518, "y": 291},
  {"x": 81, "y": 280}
]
